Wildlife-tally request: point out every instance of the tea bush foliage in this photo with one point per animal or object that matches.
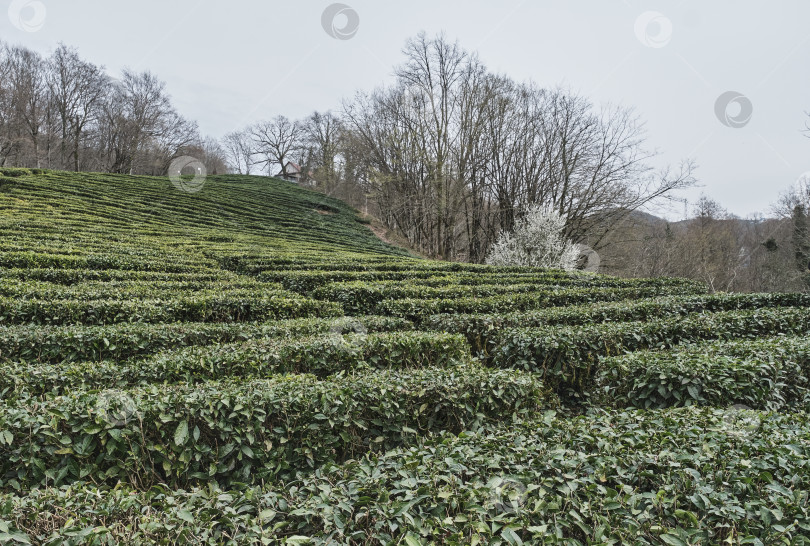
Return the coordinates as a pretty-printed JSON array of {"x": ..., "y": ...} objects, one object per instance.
[{"x": 232, "y": 366}]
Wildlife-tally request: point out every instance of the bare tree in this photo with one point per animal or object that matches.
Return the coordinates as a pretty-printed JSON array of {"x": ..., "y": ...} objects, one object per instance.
[
  {"x": 797, "y": 195},
  {"x": 7, "y": 130},
  {"x": 321, "y": 134},
  {"x": 76, "y": 91},
  {"x": 277, "y": 141},
  {"x": 28, "y": 100},
  {"x": 139, "y": 127},
  {"x": 597, "y": 168},
  {"x": 211, "y": 153},
  {"x": 238, "y": 146},
  {"x": 174, "y": 137}
]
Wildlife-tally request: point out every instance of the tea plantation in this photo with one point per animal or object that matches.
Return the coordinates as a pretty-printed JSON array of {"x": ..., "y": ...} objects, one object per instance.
[{"x": 250, "y": 364}]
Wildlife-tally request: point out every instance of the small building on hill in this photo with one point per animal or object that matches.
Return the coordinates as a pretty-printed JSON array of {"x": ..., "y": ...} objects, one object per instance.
[{"x": 293, "y": 172}]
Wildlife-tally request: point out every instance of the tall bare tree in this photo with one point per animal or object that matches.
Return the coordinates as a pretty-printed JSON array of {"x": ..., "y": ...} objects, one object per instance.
[
  {"x": 25, "y": 73},
  {"x": 139, "y": 127},
  {"x": 277, "y": 141},
  {"x": 77, "y": 89},
  {"x": 321, "y": 134},
  {"x": 238, "y": 146},
  {"x": 457, "y": 154}
]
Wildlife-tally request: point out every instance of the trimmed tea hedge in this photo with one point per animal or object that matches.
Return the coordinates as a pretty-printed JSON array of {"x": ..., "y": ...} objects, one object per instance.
[
  {"x": 480, "y": 327},
  {"x": 53, "y": 344},
  {"x": 771, "y": 374},
  {"x": 321, "y": 356},
  {"x": 684, "y": 476},
  {"x": 212, "y": 308},
  {"x": 420, "y": 309},
  {"x": 566, "y": 356},
  {"x": 249, "y": 430}
]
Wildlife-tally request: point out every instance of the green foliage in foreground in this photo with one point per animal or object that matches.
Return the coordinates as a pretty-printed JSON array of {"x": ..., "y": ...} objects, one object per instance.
[
  {"x": 153, "y": 341},
  {"x": 686, "y": 476},
  {"x": 244, "y": 431}
]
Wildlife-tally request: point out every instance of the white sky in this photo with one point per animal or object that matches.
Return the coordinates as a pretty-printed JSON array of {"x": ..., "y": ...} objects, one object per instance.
[{"x": 228, "y": 63}]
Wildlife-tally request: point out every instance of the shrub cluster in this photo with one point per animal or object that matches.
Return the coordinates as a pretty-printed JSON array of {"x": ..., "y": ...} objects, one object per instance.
[
  {"x": 262, "y": 358},
  {"x": 770, "y": 374},
  {"x": 243, "y": 431},
  {"x": 566, "y": 357},
  {"x": 681, "y": 476}
]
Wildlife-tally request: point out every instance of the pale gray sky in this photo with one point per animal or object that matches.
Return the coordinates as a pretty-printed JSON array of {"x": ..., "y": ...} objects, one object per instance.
[{"x": 228, "y": 63}]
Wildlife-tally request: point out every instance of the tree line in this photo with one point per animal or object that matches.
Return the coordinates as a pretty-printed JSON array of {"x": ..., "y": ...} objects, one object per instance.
[
  {"x": 63, "y": 112},
  {"x": 451, "y": 154}
]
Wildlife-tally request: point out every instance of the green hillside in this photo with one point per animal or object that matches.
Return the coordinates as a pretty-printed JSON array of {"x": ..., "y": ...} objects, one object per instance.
[{"x": 249, "y": 363}]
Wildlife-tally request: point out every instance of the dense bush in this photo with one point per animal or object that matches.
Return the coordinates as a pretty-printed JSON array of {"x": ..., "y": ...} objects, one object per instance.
[
  {"x": 566, "y": 357},
  {"x": 248, "y": 430},
  {"x": 320, "y": 356},
  {"x": 771, "y": 374},
  {"x": 684, "y": 476}
]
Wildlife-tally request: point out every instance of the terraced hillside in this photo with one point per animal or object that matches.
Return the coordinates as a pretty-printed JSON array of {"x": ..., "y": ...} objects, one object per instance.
[{"x": 249, "y": 364}]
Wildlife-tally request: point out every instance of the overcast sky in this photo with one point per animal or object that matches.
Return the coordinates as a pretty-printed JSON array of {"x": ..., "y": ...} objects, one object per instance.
[{"x": 230, "y": 62}]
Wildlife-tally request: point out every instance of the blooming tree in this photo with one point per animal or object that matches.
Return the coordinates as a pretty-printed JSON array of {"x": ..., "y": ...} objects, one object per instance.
[{"x": 537, "y": 241}]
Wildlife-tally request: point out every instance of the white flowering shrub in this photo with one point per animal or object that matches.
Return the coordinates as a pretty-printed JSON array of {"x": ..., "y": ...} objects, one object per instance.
[{"x": 537, "y": 241}]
